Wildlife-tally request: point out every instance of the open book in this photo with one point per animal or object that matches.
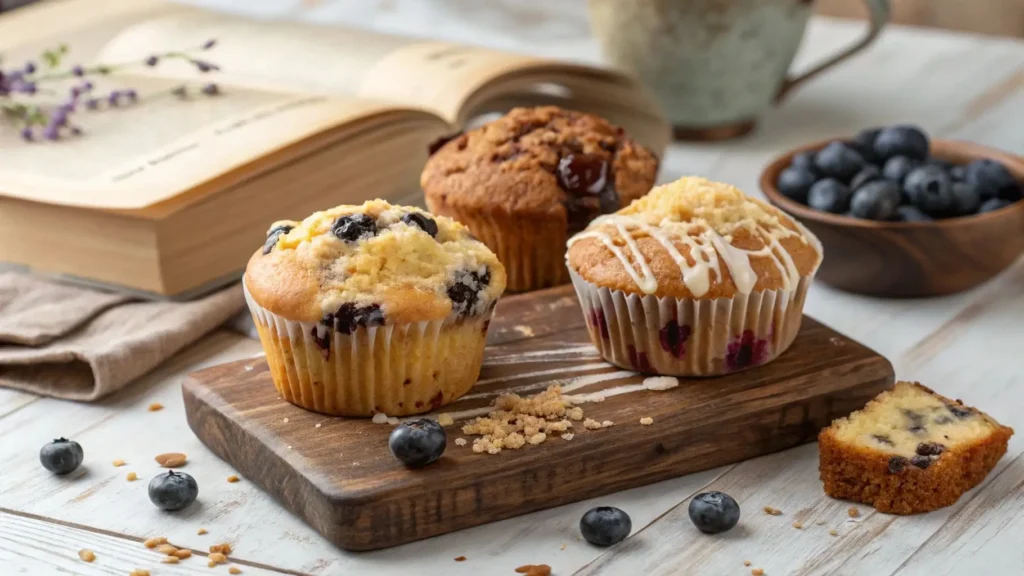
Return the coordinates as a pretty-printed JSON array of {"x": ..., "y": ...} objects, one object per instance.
[{"x": 171, "y": 197}]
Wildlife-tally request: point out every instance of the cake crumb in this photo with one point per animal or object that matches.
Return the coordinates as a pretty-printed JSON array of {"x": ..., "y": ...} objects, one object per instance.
[
  {"x": 853, "y": 512},
  {"x": 460, "y": 442},
  {"x": 201, "y": 531},
  {"x": 393, "y": 420},
  {"x": 118, "y": 463},
  {"x": 445, "y": 419},
  {"x": 183, "y": 553},
  {"x": 534, "y": 570},
  {"x": 234, "y": 570},
  {"x": 538, "y": 438},
  {"x": 772, "y": 511},
  {"x": 833, "y": 533},
  {"x": 516, "y": 421},
  {"x": 607, "y": 424},
  {"x": 155, "y": 407},
  {"x": 285, "y": 420},
  {"x": 139, "y": 572},
  {"x": 317, "y": 425},
  {"x": 524, "y": 330},
  {"x": 460, "y": 558},
  {"x": 86, "y": 555},
  {"x": 379, "y": 418},
  {"x": 798, "y": 525},
  {"x": 233, "y": 478},
  {"x": 568, "y": 436},
  {"x": 575, "y": 413},
  {"x": 746, "y": 562},
  {"x": 591, "y": 424},
  {"x": 820, "y": 522},
  {"x": 166, "y": 549},
  {"x": 564, "y": 546},
  {"x": 170, "y": 560},
  {"x": 646, "y": 421},
  {"x": 131, "y": 477},
  {"x": 217, "y": 558},
  {"x": 660, "y": 382},
  {"x": 224, "y": 549},
  {"x": 171, "y": 459},
  {"x": 757, "y": 572},
  {"x": 154, "y": 542}
]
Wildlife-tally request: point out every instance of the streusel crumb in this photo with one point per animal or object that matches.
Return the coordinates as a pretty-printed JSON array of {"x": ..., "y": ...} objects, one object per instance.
[
  {"x": 853, "y": 512},
  {"x": 757, "y": 572},
  {"x": 516, "y": 421},
  {"x": 460, "y": 442},
  {"x": 591, "y": 424},
  {"x": 568, "y": 436},
  {"x": 646, "y": 421},
  {"x": 772, "y": 511},
  {"x": 445, "y": 419}
]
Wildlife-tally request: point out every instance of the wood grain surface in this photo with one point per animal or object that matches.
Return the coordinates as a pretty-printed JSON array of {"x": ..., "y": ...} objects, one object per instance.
[{"x": 341, "y": 478}]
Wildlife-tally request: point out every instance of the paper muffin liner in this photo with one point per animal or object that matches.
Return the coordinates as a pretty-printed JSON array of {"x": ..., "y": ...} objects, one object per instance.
[
  {"x": 531, "y": 249},
  {"x": 690, "y": 336},
  {"x": 395, "y": 369}
]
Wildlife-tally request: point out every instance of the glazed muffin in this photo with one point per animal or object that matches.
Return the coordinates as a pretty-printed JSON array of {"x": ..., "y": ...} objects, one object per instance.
[
  {"x": 373, "y": 309},
  {"x": 693, "y": 279},
  {"x": 527, "y": 181}
]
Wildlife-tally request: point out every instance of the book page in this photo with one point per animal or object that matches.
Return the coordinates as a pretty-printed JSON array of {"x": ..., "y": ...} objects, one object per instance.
[{"x": 136, "y": 155}]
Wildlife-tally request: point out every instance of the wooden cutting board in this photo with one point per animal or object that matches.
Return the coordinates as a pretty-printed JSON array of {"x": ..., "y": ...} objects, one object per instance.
[{"x": 343, "y": 481}]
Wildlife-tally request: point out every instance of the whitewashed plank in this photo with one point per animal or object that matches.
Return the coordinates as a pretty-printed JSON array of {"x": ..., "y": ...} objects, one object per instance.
[{"x": 14, "y": 400}]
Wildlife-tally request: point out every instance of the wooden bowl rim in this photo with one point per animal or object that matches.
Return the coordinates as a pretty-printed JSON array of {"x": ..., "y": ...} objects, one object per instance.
[{"x": 771, "y": 173}]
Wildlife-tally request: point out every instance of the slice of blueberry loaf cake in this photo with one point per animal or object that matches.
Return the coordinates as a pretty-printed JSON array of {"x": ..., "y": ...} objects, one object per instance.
[{"x": 909, "y": 450}]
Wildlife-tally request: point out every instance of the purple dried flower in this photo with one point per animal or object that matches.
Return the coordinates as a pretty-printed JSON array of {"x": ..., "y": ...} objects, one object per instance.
[
  {"x": 209, "y": 43},
  {"x": 152, "y": 61},
  {"x": 60, "y": 118},
  {"x": 86, "y": 86},
  {"x": 76, "y": 91},
  {"x": 114, "y": 98},
  {"x": 92, "y": 103},
  {"x": 51, "y": 132},
  {"x": 77, "y": 70},
  {"x": 26, "y": 87},
  {"x": 76, "y": 131},
  {"x": 180, "y": 91},
  {"x": 130, "y": 94},
  {"x": 26, "y": 134},
  {"x": 211, "y": 89},
  {"x": 204, "y": 66},
  {"x": 30, "y": 67}
]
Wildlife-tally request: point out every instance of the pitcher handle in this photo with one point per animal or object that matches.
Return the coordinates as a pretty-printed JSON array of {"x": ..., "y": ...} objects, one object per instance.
[{"x": 878, "y": 15}]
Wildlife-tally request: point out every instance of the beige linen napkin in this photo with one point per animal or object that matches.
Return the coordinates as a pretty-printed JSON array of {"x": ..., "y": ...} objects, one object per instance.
[{"x": 83, "y": 344}]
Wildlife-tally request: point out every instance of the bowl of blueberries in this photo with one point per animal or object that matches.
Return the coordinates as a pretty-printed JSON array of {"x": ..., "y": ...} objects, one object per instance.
[{"x": 900, "y": 215}]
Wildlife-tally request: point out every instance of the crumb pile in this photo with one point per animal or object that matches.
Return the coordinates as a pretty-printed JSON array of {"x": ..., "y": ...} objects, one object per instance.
[{"x": 517, "y": 421}]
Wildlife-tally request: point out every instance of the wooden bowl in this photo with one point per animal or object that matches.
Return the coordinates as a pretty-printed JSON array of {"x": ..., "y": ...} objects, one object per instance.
[{"x": 911, "y": 259}]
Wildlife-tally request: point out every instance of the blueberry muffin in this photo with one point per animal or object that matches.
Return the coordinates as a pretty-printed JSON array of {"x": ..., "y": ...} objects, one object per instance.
[
  {"x": 909, "y": 450},
  {"x": 373, "y": 308},
  {"x": 693, "y": 279},
  {"x": 527, "y": 181}
]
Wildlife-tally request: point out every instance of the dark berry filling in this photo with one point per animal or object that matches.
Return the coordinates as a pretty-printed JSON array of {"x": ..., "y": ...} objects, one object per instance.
[
  {"x": 597, "y": 320},
  {"x": 422, "y": 222},
  {"x": 897, "y": 464},
  {"x": 352, "y": 227},
  {"x": 959, "y": 412},
  {"x": 930, "y": 449},
  {"x": 673, "y": 338},
  {"x": 465, "y": 292},
  {"x": 273, "y": 234},
  {"x": 588, "y": 181},
  {"x": 883, "y": 439},
  {"x": 638, "y": 360},
  {"x": 349, "y": 317},
  {"x": 746, "y": 351},
  {"x": 921, "y": 462},
  {"x": 439, "y": 143},
  {"x": 322, "y": 342}
]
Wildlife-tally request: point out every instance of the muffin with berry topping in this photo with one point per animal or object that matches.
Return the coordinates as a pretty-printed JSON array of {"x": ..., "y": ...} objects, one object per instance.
[
  {"x": 527, "y": 181},
  {"x": 693, "y": 279},
  {"x": 373, "y": 308}
]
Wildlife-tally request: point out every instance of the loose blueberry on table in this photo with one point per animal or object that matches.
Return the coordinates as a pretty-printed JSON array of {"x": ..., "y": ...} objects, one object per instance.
[
  {"x": 418, "y": 442},
  {"x": 605, "y": 525},
  {"x": 888, "y": 174},
  {"x": 173, "y": 491},
  {"x": 62, "y": 456},
  {"x": 714, "y": 512}
]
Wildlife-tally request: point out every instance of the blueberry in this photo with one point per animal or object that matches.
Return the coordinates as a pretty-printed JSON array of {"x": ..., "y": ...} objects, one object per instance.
[
  {"x": 868, "y": 173},
  {"x": 352, "y": 227},
  {"x": 581, "y": 174},
  {"x": 897, "y": 464},
  {"x": 350, "y": 316},
  {"x": 714, "y": 512},
  {"x": 875, "y": 200},
  {"x": 61, "y": 456},
  {"x": 839, "y": 161},
  {"x": 921, "y": 462},
  {"x": 897, "y": 168},
  {"x": 864, "y": 142},
  {"x": 910, "y": 213},
  {"x": 930, "y": 449},
  {"x": 173, "y": 490},
  {"x": 422, "y": 222},
  {"x": 465, "y": 292},
  {"x": 418, "y": 442},
  {"x": 909, "y": 141},
  {"x": 945, "y": 165},
  {"x": 993, "y": 204},
  {"x": 605, "y": 525},
  {"x": 829, "y": 195},
  {"x": 965, "y": 199},
  {"x": 795, "y": 183},
  {"x": 803, "y": 160},
  {"x": 930, "y": 189},
  {"x": 273, "y": 234},
  {"x": 958, "y": 173},
  {"x": 992, "y": 180}
]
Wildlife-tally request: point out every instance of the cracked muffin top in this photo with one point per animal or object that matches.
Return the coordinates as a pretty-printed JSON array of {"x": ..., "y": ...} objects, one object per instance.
[
  {"x": 373, "y": 264},
  {"x": 694, "y": 238},
  {"x": 541, "y": 160}
]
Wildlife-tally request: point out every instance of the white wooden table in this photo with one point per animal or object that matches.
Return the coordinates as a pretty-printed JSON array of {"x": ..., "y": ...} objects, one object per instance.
[{"x": 969, "y": 346}]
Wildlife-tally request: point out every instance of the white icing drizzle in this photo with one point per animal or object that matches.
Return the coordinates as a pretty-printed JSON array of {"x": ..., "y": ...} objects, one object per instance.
[{"x": 707, "y": 249}]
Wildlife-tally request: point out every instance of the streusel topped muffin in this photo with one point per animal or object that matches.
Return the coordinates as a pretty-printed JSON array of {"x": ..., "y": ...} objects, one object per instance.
[
  {"x": 373, "y": 308},
  {"x": 528, "y": 180},
  {"x": 693, "y": 279}
]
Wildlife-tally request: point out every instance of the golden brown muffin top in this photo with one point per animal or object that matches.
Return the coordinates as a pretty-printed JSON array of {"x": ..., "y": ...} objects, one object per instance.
[
  {"x": 539, "y": 161},
  {"x": 694, "y": 238},
  {"x": 373, "y": 264}
]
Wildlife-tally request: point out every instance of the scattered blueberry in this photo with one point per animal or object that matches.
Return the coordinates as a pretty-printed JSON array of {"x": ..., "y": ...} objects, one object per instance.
[
  {"x": 421, "y": 221},
  {"x": 868, "y": 173},
  {"x": 803, "y": 160},
  {"x": 966, "y": 199},
  {"x": 897, "y": 168},
  {"x": 273, "y": 234},
  {"x": 864, "y": 142},
  {"x": 466, "y": 290},
  {"x": 910, "y": 213},
  {"x": 839, "y": 161},
  {"x": 418, "y": 442},
  {"x": 714, "y": 512},
  {"x": 605, "y": 525},
  {"x": 903, "y": 140},
  {"x": 958, "y": 173},
  {"x": 992, "y": 180},
  {"x": 993, "y": 204},
  {"x": 875, "y": 200},
  {"x": 930, "y": 189},
  {"x": 352, "y": 227},
  {"x": 173, "y": 490},
  {"x": 795, "y": 183},
  {"x": 62, "y": 456},
  {"x": 829, "y": 195},
  {"x": 942, "y": 163}
]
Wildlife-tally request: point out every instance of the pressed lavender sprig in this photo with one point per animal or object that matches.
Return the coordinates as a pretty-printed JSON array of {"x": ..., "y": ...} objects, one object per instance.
[{"x": 56, "y": 120}]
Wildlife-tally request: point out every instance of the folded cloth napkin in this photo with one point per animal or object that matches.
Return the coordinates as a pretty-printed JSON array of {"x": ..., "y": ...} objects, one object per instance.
[{"x": 82, "y": 344}]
